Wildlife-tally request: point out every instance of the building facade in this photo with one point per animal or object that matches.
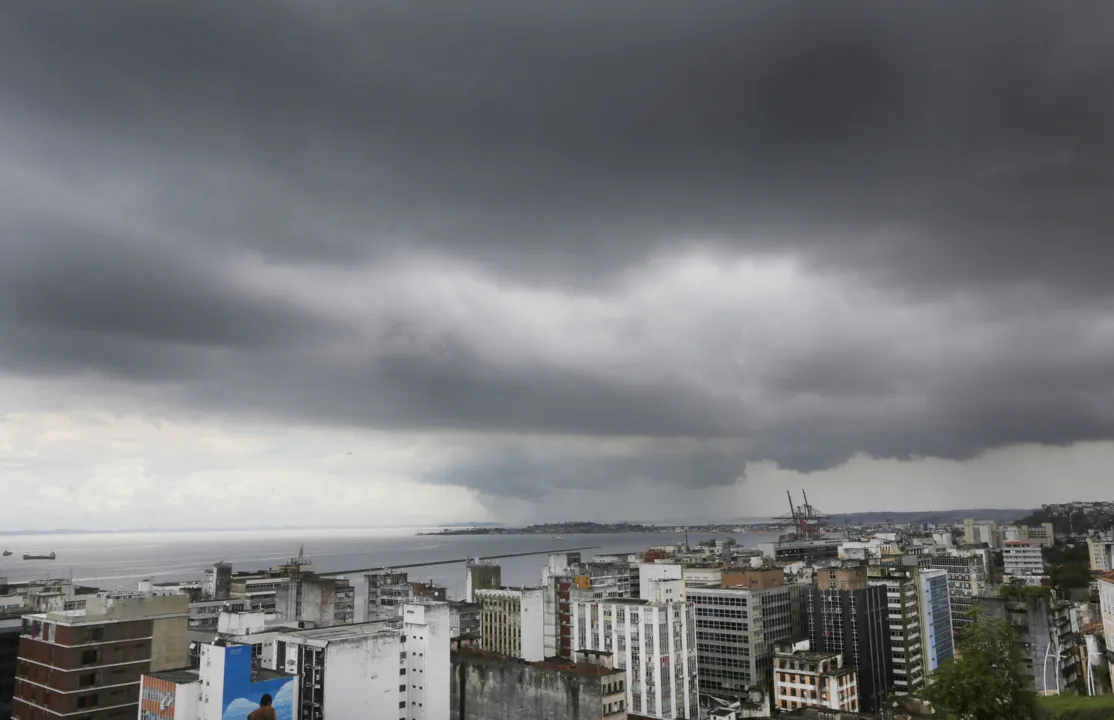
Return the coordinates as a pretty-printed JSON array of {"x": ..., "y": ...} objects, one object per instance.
[
  {"x": 218, "y": 582},
  {"x": 906, "y": 631},
  {"x": 968, "y": 572},
  {"x": 1047, "y": 636},
  {"x": 11, "y": 623},
  {"x": 481, "y": 575},
  {"x": 937, "y": 635},
  {"x": 1101, "y": 552},
  {"x": 386, "y": 592},
  {"x": 89, "y": 662},
  {"x": 854, "y": 622},
  {"x": 495, "y": 688},
  {"x": 513, "y": 622},
  {"x": 1023, "y": 563},
  {"x": 976, "y": 532},
  {"x": 803, "y": 678},
  {"x": 1038, "y": 535},
  {"x": 1106, "y": 609},
  {"x": 465, "y": 619},
  {"x": 654, "y": 642},
  {"x": 736, "y": 630}
]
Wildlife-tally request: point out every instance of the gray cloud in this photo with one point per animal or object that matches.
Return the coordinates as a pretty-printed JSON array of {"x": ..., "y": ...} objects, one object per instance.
[{"x": 216, "y": 202}]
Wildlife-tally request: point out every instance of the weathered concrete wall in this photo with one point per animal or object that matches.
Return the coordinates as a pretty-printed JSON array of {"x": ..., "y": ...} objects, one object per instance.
[{"x": 491, "y": 688}]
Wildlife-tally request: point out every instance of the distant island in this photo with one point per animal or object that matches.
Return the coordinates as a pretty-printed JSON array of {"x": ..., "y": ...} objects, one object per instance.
[
  {"x": 833, "y": 521},
  {"x": 565, "y": 528}
]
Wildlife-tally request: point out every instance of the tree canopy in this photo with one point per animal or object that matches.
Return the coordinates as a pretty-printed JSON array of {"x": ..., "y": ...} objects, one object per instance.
[{"x": 984, "y": 681}]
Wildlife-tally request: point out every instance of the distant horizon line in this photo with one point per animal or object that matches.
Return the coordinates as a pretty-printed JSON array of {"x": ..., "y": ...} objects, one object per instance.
[{"x": 486, "y": 523}]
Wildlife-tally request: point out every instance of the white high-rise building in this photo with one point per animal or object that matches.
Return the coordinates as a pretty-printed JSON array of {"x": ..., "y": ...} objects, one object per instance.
[
  {"x": 513, "y": 622},
  {"x": 1102, "y": 554},
  {"x": 1023, "y": 562},
  {"x": 426, "y": 634},
  {"x": 649, "y": 572},
  {"x": 655, "y": 642},
  {"x": 372, "y": 669}
]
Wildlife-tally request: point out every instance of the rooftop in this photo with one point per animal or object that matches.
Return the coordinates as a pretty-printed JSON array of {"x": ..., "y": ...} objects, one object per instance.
[
  {"x": 262, "y": 674},
  {"x": 584, "y": 669},
  {"x": 341, "y": 632},
  {"x": 181, "y": 676},
  {"x": 813, "y": 655},
  {"x": 557, "y": 664}
]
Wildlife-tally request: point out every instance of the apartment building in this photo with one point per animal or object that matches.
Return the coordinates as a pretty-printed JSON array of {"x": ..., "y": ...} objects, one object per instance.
[
  {"x": 1023, "y": 563},
  {"x": 89, "y": 662},
  {"x": 1039, "y": 535},
  {"x": 736, "y": 630},
  {"x": 981, "y": 532},
  {"x": 386, "y": 592},
  {"x": 803, "y": 678},
  {"x": 465, "y": 619},
  {"x": 1101, "y": 551},
  {"x": 372, "y": 669},
  {"x": 513, "y": 621},
  {"x": 654, "y": 641},
  {"x": 968, "y": 572}
]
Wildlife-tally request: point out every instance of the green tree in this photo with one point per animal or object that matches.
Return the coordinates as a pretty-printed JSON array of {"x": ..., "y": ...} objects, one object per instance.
[{"x": 984, "y": 681}]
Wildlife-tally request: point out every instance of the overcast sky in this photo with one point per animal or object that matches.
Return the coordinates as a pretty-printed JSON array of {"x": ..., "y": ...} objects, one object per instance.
[{"x": 311, "y": 261}]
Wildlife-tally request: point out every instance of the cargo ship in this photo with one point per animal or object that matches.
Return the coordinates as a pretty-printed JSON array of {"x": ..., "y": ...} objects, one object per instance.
[{"x": 28, "y": 556}]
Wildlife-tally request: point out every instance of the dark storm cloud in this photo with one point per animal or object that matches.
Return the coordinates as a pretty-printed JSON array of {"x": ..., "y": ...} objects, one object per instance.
[{"x": 924, "y": 151}]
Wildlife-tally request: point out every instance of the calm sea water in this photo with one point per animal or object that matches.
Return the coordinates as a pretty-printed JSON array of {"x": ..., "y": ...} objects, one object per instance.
[{"x": 121, "y": 560}]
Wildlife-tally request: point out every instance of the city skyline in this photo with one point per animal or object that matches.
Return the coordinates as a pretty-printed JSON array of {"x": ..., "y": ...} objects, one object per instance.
[{"x": 429, "y": 263}]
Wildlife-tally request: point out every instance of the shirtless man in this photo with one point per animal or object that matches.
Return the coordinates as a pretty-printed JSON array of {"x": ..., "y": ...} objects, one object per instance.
[{"x": 265, "y": 711}]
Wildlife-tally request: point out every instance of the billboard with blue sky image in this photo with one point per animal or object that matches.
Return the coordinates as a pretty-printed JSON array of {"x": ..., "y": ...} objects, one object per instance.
[{"x": 241, "y": 695}]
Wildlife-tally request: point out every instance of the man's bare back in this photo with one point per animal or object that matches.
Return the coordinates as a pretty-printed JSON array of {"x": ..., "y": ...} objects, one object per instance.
[{"x": 263, "y": 713}]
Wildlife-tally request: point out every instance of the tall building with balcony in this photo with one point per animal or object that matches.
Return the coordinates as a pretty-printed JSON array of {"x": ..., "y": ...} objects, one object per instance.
[
  {"x": 736, "y": 630},
  {"x": 88, "y": 663},
  {"x": 654, "y": 641}
]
